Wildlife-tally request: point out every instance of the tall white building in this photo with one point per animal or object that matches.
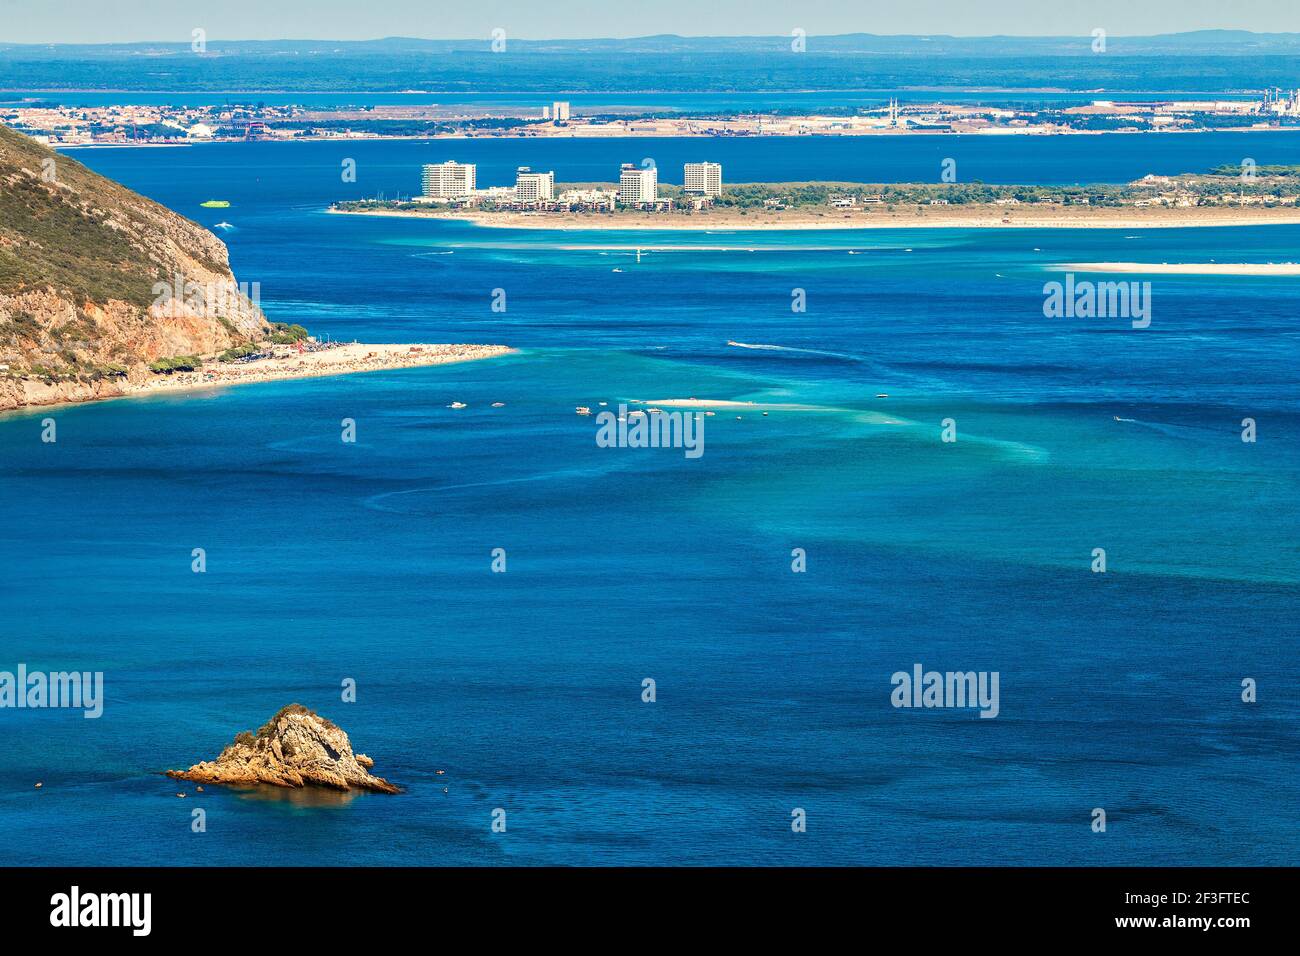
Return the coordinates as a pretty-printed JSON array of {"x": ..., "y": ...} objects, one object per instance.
[
  {"x": 703, "y": 178},
  {"x": 560, "y": 111},
  {"x": 534, "y": 187},
  {"x": 450, "y": 180},
  {"x": 637, "y": 184}
]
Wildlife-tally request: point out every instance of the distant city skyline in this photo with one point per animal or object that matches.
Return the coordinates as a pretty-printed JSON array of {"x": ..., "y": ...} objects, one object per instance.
[{"x": 91, "y": 21}]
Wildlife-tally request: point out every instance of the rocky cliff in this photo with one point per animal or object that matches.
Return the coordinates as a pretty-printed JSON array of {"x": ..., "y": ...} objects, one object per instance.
[
  {"x": 295, "y": 748},
  {"x": 96, "y": 282}
]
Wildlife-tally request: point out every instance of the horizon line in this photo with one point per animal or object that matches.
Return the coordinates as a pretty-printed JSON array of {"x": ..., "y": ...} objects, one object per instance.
[{"x": 664, "y": 36}]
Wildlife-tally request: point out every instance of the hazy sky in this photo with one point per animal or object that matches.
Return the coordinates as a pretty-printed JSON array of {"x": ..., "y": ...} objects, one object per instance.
[{"x": 101, "y": 21}]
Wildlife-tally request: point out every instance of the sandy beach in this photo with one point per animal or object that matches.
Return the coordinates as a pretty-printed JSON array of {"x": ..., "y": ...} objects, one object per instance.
[
  {"x": 1187, "y": 268},
  {"x": 926, "y": 217},
  {"x": 31, "y": 393},
  {"x": 340, "y": 360}
]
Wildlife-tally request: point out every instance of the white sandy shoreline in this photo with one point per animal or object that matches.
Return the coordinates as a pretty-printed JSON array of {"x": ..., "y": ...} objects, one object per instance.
[
  {"x": 347, "y": 359},
  {"x": 1186, "y": 268},
  {"x": 340, "y": 360},
  {"x": 1017, "y": 218}
]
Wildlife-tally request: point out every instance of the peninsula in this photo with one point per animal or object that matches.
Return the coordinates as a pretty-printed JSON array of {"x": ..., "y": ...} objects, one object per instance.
[
  {"x": 1225, "y": 196},
  {"x": 104, "y": 293}
]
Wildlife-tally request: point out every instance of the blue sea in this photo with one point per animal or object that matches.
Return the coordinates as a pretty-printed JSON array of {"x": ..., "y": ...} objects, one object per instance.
[{"x": 371, "y": 562}]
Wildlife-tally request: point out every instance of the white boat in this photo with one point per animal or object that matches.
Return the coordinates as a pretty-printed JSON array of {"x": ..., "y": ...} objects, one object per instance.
[{"x": 583, "y": 410}]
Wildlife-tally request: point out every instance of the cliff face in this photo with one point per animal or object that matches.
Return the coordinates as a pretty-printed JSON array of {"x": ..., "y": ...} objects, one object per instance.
[
  {"x": 296, "y": 748},
  {"x": 97, "y": 281}
]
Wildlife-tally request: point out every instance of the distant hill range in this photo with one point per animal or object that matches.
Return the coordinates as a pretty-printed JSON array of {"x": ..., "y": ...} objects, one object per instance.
[
  {"x": 1199, "y": 42},
  {"x": 96, "y": 282},
  {"x": 1201, "y": 60}
]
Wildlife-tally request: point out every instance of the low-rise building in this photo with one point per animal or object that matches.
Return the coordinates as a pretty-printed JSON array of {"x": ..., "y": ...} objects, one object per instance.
[{"x": 597, "y": 199}]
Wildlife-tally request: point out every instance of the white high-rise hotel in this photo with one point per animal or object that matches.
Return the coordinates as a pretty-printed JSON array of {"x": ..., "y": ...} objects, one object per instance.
[
  {"x": 451, "y": 180},
  {"x": 534, "y": 187},
  {"x": 637, "y": 184},
  {"x": 703, "y": 178}
]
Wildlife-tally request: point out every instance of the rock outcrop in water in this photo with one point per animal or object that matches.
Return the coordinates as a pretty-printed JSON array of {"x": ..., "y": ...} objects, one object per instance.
[{"x": 295, "y": 748}]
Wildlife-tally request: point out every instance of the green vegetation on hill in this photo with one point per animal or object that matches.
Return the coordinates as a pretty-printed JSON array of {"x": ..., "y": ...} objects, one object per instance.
[
  {"x": 177, "y": 363},
  {"x": 51, "y": 237},
  {"x": 283, "y": 333}
]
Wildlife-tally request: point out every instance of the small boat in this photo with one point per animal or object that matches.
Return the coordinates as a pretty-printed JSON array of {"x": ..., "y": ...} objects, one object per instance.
[
  {"x": 457, "y": 405},
  {"x": 616, "y": 270},
  {"x": 882, "y": 395},
  {"x": 216, "y": 204},
  {"x": 583, "y": 410},
  {"x": 223, "y": 225},
  {"x": 494, "y": 405}
]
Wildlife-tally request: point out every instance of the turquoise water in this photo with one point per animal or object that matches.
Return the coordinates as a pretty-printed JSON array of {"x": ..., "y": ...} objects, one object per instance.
[{"x": 371, "y": 561}]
